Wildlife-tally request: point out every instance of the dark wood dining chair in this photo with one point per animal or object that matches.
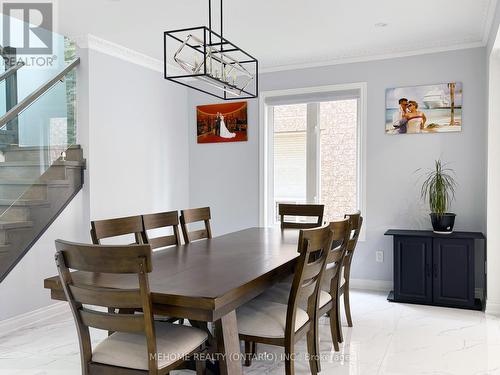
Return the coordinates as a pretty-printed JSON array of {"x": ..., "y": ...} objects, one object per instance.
[
  {"x": 329, "y": 295},
  {"x": 302, "y": 210},
  {"x": 162, "y": 220},
  {"x": 101, "y": 229},
  {"x": 138, "y": 345},
  {"x": 195, "y": 215},
  {"x": 262, "y": 321},
  {"x": 356, "y": 222}
]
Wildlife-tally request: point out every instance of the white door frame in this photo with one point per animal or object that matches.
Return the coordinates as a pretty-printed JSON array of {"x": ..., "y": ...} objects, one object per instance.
[{"x": 266, "y": 168}]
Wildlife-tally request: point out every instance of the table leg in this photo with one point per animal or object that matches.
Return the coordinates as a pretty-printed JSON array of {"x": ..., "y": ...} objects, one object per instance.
[{"x": 228, "y": 343}]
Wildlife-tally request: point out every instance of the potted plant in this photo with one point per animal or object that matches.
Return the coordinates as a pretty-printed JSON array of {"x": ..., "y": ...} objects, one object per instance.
[{"x": 439, "y": 190}]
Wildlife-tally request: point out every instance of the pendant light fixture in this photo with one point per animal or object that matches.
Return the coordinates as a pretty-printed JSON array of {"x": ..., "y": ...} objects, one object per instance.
[{"x": 203, "y": 60}]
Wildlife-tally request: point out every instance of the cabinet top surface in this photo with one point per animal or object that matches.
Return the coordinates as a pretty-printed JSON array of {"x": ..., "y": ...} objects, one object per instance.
[{"x": 429, "y": 233}]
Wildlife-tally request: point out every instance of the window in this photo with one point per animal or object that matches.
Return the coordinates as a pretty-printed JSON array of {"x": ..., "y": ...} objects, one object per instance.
[
  {"x": 290, "y": 164},
  {"x": 313, "y": 152}
]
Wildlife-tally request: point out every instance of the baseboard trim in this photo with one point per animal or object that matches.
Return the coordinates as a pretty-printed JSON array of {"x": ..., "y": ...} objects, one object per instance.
[
  {"x": 375, "y": 285},
  {"x": 20, "y": 321},
  {"x": 492, "y": 308}
]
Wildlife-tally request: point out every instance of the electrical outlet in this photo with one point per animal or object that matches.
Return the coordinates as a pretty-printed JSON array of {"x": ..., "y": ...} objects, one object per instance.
[{"x": 379, "y": 256}]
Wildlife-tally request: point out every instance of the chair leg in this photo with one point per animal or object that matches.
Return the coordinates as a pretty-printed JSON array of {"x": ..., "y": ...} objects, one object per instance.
[
  {"x": 289, "y": 363},
  {"x": 312, "y": 350},
  {"x": 250, "y": 348},
  {"x": 338, "y": 321},
  {"x": 347, "y": 304},
  {"x": 333, "y": 330},
  {"x": 201, "y": 367}
]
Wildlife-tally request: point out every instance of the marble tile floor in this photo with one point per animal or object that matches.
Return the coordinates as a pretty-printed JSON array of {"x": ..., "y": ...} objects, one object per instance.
[{"x": 387, "y": 338}]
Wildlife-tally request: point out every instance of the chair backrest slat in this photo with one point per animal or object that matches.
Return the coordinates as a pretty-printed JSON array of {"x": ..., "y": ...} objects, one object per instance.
[
  {"x": 307, "y": 289},
  {"x": 289, "y": 225},
  {"x": 198, "y": 235},
  {"x": 119, "y": 298},
  {"x": 162, "y": 220},
  {"x": 116, "y": 259},
  {"x": 304, "y": 210},
  {"x": 108, "y": 228},
  {"x": 163, "y": 241},
  {"x": 313, "y": 269},
  {"x": 192, "y": 216},
  {"x": 113, "y": 322}
]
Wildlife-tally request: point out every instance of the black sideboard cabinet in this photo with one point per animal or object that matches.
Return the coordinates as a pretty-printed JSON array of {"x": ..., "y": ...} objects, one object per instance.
[{"x": 437, "y": 269}]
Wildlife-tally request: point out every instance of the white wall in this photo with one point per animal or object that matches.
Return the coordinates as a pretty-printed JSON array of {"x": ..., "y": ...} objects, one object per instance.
[
  {"x": 138, "y": 154},
  {"x": 493, "y": 71},
  {"x": 132, "y": 127},
  {"x": 226, "y": 176},
  {"x": 493, "y": 303},
  {"x": 22, "y": 290}
]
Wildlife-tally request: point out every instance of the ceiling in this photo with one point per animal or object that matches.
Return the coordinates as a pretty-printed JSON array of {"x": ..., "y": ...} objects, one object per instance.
[{"x": 290, "y": 33}]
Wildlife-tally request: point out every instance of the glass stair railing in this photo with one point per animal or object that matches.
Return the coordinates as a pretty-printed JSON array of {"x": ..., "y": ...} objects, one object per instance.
[{"x": 40, "y": 164}]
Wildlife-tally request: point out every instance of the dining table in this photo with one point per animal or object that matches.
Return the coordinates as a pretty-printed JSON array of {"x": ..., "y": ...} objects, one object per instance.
[{"x": 207, "y": 280}]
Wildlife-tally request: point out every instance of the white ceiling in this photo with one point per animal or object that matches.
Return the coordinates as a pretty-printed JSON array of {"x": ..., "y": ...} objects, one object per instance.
[{"x": 290, "y": 33}]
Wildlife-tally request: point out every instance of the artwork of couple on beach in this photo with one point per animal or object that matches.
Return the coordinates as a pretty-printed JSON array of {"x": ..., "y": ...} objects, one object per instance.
[
  {"x": 222, "y": 122},
  {"x": 424, "y": 109}
]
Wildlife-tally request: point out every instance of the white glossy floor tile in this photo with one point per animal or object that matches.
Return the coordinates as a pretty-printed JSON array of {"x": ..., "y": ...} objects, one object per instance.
[{"x": 387, "y": 339}]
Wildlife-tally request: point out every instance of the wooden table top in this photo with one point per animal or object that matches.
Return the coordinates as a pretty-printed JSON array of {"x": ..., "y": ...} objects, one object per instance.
[{"x": 208, "y": 277}]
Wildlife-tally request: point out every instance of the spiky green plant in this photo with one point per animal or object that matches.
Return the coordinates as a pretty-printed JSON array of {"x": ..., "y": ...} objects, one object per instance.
[{"x": 439, "y": 188}]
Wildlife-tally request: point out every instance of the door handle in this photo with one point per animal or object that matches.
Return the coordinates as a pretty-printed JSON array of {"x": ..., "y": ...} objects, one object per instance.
[{"x": 435, "y": 271}]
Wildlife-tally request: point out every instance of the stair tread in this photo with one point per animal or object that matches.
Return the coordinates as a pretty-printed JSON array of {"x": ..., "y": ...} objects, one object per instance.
[
  {"x": 34, "y": 148},
  {"x": 23, "y": 202},
  {"x": 5, "y": 224},
  {"x": 21, "y": 181},
  {"x": 67, "y": 163}
]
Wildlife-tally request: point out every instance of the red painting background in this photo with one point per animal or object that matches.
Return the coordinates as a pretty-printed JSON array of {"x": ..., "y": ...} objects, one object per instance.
[{"x": 235, "y": 116}]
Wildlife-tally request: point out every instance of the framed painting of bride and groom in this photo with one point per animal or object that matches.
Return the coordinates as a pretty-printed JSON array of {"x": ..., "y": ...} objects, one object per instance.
[
  {"x": 424, "y": 109},
  {"x": 226, "y": 122}
]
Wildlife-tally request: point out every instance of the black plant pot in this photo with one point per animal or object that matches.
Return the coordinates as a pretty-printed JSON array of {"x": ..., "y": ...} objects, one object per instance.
[{"x": 443, "y": 223}]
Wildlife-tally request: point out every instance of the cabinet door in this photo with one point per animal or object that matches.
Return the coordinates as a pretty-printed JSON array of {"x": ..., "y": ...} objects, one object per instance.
[
  {"x": 412, "y": 269},
  {"x": 453, "y": 272}
]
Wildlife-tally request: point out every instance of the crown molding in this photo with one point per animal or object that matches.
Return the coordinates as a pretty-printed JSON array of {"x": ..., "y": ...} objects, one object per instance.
[
  {"x": 101, "y": 45},
  {"x": 375, "y": 57},
  {"x": 95, "y": 43}
]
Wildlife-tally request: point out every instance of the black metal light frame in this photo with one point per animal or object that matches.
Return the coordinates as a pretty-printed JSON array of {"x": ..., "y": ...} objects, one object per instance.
[{"x": 210, "y": 40}]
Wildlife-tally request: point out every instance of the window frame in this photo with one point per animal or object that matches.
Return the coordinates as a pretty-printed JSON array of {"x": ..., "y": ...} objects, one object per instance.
[{"x": 266, "y": 146}]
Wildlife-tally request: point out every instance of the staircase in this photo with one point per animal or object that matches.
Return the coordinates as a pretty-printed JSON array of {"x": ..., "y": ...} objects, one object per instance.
[
  {"x": 28, "y": 206},
  {"x": 41, "y": 167}
]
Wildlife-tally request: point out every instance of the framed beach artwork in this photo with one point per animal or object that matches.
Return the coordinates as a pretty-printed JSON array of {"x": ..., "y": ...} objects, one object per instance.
[
  {"x": 424, "y": 109},
  {"x": 226, "y": 122}
]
